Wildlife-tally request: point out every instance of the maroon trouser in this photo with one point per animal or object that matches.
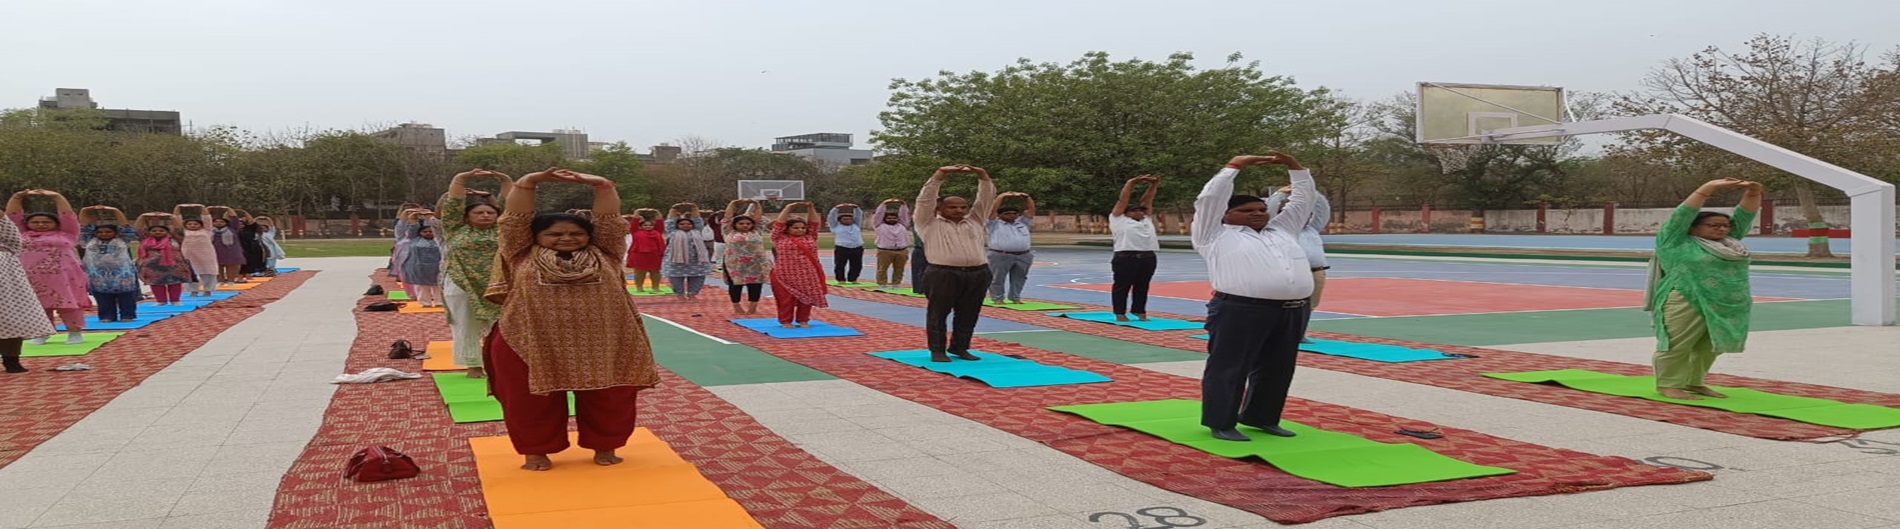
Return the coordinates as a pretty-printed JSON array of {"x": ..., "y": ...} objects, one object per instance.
[{"x": 537, "y": 424}]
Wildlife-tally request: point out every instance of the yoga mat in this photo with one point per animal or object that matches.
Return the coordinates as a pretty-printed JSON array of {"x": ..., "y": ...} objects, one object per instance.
[
  {"x": 468, "y": 398},
  {"x": 1376, "y": 352},
  {"x": 287, "y": 270},
  {"x": 1740, "y": 400},
  {"x": 259, "y": 279},
  {"x": 996, "y": 370},
  {"x": 1153, "y": 324},
  {"x": 859, "y": 284},
  {"x": 416, "y": 308},
  {"x": 1328, "y": 457},
  {"x": 441, "y": 357},
  {"x": 901, "y": 291},
  {"x": 396, "y": 295},
  {"x": 238, "y": 287},
  {"x": 818, "y": 329},
  {"x": 56, "y": 346},
  {"x": 653, "y": 487},
  {"x": 93, "y": 324},
  {"x": 663, "y": 291},
  {"x": 182, "y": 306},
  {"x": 1029, "y": 305}
]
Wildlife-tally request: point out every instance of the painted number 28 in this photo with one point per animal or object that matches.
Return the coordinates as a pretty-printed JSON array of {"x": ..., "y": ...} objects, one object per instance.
[{"x": 1167, "y": 517}]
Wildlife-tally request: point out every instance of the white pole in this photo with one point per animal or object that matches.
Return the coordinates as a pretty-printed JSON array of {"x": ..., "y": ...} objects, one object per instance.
[{"x": 1872, "y": 223}]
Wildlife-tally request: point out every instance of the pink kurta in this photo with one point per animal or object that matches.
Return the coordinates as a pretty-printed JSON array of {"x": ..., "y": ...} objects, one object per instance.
[
  {"x": 198, "y": 248},
  {"x": 51, "y": 260}
]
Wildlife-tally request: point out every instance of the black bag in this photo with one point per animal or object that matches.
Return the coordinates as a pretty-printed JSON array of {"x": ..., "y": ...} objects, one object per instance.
[
  {"x": 382, "y": 306},
  {"x": 374, "y": 290},
  {"x": 401, "y": 350}
]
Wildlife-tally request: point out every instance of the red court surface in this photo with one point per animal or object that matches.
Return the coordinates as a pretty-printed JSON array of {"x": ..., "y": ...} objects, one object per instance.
[{"x": 1386, "y": 296}]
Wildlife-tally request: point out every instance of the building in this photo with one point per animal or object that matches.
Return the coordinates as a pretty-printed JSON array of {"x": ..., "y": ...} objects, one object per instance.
[
  {"x": 573, "y": 143},
  {"x": 118, "y": 119},
  {"x": 827, "y": 149},
  {"x": 414, "y": 136}
]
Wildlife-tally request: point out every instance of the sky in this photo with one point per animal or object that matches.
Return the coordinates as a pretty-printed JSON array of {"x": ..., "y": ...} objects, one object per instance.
[{"x": 744, "y": 72}]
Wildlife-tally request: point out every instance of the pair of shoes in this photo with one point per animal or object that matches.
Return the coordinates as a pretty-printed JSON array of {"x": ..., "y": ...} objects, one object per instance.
[
  {"x": 38, "y": 341},
  {"x": 73, "y": 338},
  {"x": 73, "y": 367}
]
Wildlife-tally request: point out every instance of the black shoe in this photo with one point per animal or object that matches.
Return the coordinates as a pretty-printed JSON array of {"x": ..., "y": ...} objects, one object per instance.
[
  {"x": 1274, "y": 430},
  {"x": 12, "y": 364},
  {"x": 965, "y": 355},
  {"x": 1230, "y": 434},
  {"x": 938, "y": 356}
]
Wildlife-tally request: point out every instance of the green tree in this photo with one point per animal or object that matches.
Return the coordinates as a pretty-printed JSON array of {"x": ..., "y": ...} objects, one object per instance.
[
  {"x": 619, "y": 163},
  {"x": 1815, "y": 97},
  {"x": 1071, "y": 134},
  {"x": 711, "y": 179}
]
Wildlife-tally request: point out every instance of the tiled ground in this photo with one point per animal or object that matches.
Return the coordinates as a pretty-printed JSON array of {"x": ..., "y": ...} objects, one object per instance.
[{"x": 202, "y": 444}]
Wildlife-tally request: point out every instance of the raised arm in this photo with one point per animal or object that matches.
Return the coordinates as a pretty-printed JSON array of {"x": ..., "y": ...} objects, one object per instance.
[
  {"x": 785, "y": 214},
  {"x": 606, "y": 196},
  {"x": 1300, "y": 203},
  {"x": 521, "y": 194},
  {"x": 15, "y": 205},
  {"x": 1128, "y": 191},
  {"x": 1029, "y": 206},
  {"x": 1751, "y": 197},
  {"x": 1322, "y": 213},
  {"x": 60, "y": 205},
  {"x": 1211, "y": 205},
  {"x": 984, "y": 208},
  {"x": 926, "y": 211},
  {"x": 831, "y": 217}
]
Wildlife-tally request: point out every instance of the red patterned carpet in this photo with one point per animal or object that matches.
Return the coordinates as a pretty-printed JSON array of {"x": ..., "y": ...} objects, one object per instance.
[
  {"x": 43, "y": 403},
  {"x": 1465, "y": 374},
  {"x": 1247, "y": 485},
  {"x": 779, "y": 484}
]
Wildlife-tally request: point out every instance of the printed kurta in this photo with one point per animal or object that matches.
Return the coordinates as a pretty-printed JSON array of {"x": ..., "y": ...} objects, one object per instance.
[
  {"x": 747, "y": 261},
  {"x": 225, "y": 242},
  {"x": 51, "y": 259},
  {"x": 21, "y": 316},
  {"x": 798, "y": 272},
  {"x": 1717, "y": 288},
  {"x": 153, "y": 268},
  {"x": 574, "y": 336},
  {"x": 468, "y": 254},
  {"x": 110, "y": 267}
]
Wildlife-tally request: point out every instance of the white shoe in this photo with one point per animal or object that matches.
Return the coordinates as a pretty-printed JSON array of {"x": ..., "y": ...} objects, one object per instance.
[
  {"x": 37, "y": 341},
  {"x": 73, "y": 338}
]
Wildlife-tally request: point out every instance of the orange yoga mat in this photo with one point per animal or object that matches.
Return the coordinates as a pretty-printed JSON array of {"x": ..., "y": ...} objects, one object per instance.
[
  {"x": 441, "y": 357},
  {"x": 654, "y": 487},
  {"x": 239, "y": 286},
  {"x": 414, "y": 308}
]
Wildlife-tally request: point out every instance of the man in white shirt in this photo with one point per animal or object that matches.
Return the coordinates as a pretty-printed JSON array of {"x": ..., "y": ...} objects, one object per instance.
[
  {"x": 1135, "y": 245},
  {"x": 1261, "y": 283},
  {"x": 1010, "y": 252}
]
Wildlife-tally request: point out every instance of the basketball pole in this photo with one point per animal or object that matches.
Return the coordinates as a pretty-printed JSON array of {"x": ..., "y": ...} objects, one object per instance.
[{"x": 1872, "y": 201}]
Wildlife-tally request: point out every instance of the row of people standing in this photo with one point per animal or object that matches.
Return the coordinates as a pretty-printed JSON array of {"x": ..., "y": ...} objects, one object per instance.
[{"x": 69, "y": 267}]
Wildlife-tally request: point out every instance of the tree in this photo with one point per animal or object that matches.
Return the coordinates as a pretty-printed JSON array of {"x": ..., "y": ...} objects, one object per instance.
[
  {"x": 712, "y": 178},
  {"x": 1818, "y": 98},
  {"x": 619, "y": 163},
  {"x": 1071, "y": 134}
]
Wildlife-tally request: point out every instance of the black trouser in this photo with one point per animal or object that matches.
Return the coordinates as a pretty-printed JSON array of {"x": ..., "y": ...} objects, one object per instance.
[
  {"x": 1251, "y": 349},
  {"x": 953, "y": 289},
  {"x": 751, "y": 290},
  {"x": 847, "y": 263},
  {"x": 917, "y": 266},
  {"x": 1133, "y": 271}
]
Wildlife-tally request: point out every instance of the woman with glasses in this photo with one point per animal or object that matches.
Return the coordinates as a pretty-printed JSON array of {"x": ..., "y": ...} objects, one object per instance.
[{"x": 1698, "y": 288}]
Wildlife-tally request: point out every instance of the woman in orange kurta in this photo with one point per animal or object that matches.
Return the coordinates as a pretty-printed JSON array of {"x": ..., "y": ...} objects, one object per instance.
[{"x": 567, "y": 324}]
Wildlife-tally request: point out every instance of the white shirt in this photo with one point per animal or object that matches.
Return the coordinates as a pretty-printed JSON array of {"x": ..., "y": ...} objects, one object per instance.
[
  {"x": 1265, "y": 264},
  {"x": 1133, "y": 235}
]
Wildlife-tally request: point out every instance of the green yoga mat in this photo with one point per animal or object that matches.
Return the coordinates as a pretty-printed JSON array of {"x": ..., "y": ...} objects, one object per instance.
[
  {"x": 468, "y": 398},
  {"x": 1740, "y": 400},
  {"x": 396, "y": 295},
  {"x": 904, "y": 291},
  {"x": 860, "y": 284},
  {"x": 56, "y": 346},
  {"x": 662, "y": 291},
  {"x": 1328, "y": 457},
  {"x": 1029, "y": 305}
]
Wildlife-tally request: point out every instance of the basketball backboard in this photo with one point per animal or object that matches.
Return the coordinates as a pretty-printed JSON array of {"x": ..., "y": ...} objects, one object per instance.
[
  {"x": 1465, "y": 114},
  {"x": 793, "y": 190}
]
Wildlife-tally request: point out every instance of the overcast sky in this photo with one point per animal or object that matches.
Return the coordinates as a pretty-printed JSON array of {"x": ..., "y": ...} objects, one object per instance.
[{"x": 743, "y": 72}]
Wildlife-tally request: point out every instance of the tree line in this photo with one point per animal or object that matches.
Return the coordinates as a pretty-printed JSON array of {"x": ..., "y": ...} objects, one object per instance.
[{"x": 1069, "y": 133}]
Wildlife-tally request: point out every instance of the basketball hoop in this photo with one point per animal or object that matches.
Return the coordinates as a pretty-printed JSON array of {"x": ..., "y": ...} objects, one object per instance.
[{"x": 771, "y": 195}]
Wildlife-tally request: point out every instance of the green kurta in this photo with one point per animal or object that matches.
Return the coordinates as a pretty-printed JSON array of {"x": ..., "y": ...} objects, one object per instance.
[
  {"x": 469, "y": 254},
  {"x": 1715, "y": 287}
]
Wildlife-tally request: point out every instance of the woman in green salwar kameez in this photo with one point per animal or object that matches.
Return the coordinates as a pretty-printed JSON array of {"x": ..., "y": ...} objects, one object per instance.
[{"x": 1698, "y": 288}]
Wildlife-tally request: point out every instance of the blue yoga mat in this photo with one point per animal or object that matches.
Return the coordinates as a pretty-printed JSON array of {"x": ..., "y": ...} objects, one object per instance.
[
  {"x": 287, "y": 270},
  {"x": 818, "y": 329},
  {"x": 1376, "y": 352},
  {"x": 1153, "y": 324},
  {"x": 92, "y": 322},
  {"x": 996, "y": 370},
  {"x": 182, "y": 306}
]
